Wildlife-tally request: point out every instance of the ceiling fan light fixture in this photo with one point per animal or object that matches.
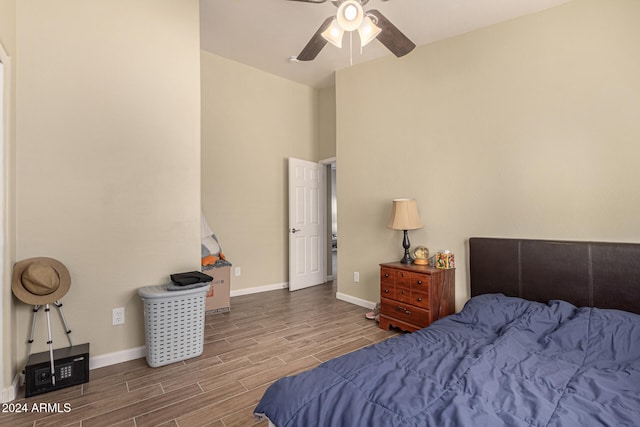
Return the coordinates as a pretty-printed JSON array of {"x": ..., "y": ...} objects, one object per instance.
[
  {"x": 350, "y": 12},
  {"x": 333, "y": 34},
  {"x": 368, "y": 31},
  {"x": 350, "y": 15}
]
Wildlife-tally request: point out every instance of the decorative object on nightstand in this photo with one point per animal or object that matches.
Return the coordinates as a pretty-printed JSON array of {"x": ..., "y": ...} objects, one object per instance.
[
  {"x": 445, "y": 260},
  {"x": 404, "y": 216},
  {"x": 421, "y": 255},
  {"x": 413, "y": 296}
]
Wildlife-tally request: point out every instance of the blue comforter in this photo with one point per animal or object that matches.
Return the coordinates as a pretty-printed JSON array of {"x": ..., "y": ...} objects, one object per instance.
[{"x": 501, "y": 361}]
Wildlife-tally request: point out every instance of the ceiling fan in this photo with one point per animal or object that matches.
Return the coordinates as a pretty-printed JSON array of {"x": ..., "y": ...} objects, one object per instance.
[{"x": 351, "y": 16}]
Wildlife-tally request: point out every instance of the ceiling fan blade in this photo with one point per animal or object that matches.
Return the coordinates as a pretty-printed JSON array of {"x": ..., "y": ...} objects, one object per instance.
[
  {"x": 391, "y": 36},
  {"x": 317, "y": 42}
]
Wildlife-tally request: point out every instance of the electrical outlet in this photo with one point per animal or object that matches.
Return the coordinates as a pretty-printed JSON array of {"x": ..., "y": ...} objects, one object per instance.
[
  {"x": 356, "y": 276},
  {"x": 238, "y": 271},
  {"x": 118, "y": 316}
]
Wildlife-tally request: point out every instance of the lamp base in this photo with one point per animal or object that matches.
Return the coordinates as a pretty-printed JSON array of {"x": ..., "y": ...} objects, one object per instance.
[{"x": 406, "y": 259}]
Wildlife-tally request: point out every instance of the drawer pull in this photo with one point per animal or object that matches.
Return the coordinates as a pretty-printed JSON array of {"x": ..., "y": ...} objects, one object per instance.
[
  {"x": 386, "y": 291},
  {"x": 386, "y": 275},
  {"x": 403, "y": 292},
  {"x": 419, "y": 299},
  {"x": 398, "y": 308},
  {"x": 419, "y": 282}
]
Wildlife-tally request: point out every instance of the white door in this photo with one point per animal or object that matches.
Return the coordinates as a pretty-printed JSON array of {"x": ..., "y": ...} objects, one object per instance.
[{"x": 307, "y": 224}]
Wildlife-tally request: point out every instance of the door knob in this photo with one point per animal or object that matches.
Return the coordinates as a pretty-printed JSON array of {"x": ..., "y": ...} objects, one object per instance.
[{"x": 295, "y": 230}]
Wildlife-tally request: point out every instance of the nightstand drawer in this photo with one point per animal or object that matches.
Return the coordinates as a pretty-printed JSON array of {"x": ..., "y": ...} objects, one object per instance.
[
  {"x": 404, "y": 312},
  {"x": 402, "y": 278},
  {"x": 421, "y": 299},
  {"x": 387, "y": 291},
  {"x": 403, "y": 293},
  {"x": 387, "y": 276},
  {"x": 420, "y": 282}
]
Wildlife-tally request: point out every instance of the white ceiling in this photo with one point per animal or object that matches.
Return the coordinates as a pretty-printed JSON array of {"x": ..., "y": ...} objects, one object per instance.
[{"x": 265, "y": 33}]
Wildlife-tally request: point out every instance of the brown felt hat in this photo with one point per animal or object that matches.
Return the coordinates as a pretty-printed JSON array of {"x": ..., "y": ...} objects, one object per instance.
[{"x": 38, "y": 281}]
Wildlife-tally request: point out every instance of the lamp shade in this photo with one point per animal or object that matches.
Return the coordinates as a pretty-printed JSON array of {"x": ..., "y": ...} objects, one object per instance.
[
  {"x": 404, "y": 215},
  {"x": 333, "y": 34},
  {"x": 368, "y": 31}
]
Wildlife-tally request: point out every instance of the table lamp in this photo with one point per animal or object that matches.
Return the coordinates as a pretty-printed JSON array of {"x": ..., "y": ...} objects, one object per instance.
[{"x": 404, "y": 216}]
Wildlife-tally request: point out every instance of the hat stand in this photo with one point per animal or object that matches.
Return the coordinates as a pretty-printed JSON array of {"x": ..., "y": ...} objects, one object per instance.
[{"x": 37, "y": 308}]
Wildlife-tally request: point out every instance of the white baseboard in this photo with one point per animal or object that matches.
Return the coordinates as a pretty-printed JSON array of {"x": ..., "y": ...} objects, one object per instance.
[
  {"x": 258, "y": 289},
  {"x": 117, "y": 357},
  {"x": 11, "y": 393},
  {"x": 354, "y": 300}
]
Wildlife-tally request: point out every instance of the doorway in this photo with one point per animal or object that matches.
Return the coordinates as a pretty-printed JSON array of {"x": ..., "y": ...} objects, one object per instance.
[
  {"x": 333, "y": 222},
  {"x": 313, "y": 222},
  {"x": 332, "y": 218}
]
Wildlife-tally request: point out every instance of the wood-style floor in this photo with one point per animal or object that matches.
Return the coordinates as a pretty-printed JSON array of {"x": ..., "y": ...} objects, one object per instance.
[{"x": 264, "y": 337}]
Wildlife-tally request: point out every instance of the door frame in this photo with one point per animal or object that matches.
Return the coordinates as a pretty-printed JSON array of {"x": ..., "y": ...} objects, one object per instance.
[
  {"x": 6, "y": 394},
  {"x": 329, "y": 162}
]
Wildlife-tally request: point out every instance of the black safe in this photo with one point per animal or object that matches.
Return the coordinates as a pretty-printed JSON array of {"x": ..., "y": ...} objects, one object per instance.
[{"x": 71, "y": 367}]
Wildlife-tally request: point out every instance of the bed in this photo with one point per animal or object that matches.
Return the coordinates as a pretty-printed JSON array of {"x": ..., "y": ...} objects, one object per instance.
[{"x": 550, "y": 337}]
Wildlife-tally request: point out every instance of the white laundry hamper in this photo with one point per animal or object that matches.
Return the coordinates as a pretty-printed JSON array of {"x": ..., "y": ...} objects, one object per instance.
[{"x": 174, "y": 323}]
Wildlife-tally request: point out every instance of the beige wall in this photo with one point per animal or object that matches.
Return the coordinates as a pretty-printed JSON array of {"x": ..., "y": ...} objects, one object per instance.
[
  {"x": 528, "y": 128},
  {"x": 326, "y": 129},
  {"x": 326, "y": 123},
  {"x": 252, "y": 122},
  {"x": 108, "y": 143},
  {"x": 7, "y": 311}
]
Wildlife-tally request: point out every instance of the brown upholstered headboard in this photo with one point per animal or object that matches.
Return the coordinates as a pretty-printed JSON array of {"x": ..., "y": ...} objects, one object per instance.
[{"x": 595, "y": 274}]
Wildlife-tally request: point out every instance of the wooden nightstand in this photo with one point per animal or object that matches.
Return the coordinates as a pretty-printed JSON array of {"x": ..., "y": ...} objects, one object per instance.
[{"x": 413, "y": 296}]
